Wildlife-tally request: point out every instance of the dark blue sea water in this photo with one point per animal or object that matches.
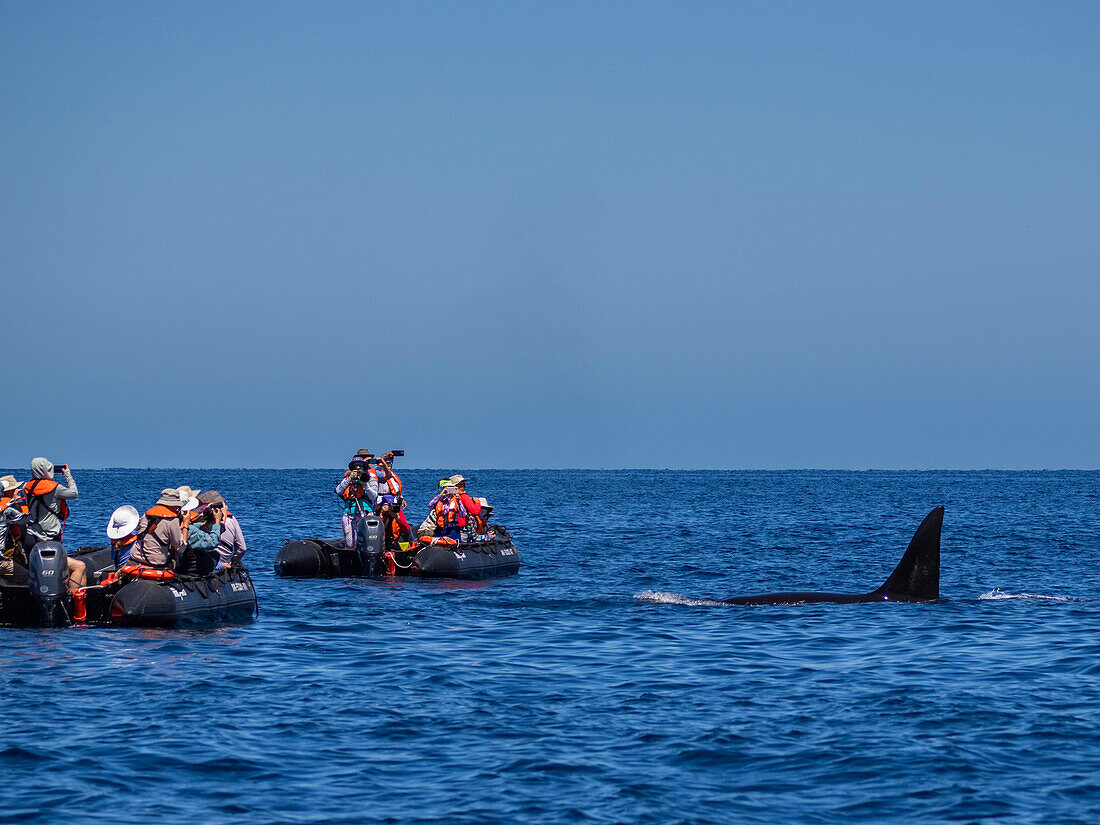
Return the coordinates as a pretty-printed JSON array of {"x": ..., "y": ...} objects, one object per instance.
[{"x": 598, "y": 685}]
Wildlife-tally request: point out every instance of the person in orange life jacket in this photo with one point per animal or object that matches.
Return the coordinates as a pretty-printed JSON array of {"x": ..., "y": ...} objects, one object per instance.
[
  {"x": 122, "y": 531},
  {"x": 391, "y": 504},
  {"x": 446, "y": 510},
  {"x": 428, "y": 526},
  {"x": 471, "y": 505},
  {"x": 162, "y": 532},
  {"x": 13, "y": 561},
  {"x": 47, "y": 506},
  {"x": 359, "y": 491},
  {"x": 477, "y": 527}
]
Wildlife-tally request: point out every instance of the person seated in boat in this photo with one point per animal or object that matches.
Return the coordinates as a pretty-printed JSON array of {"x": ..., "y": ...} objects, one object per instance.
[
  {"x": 358, "y": 490},
  {"x": 190, "y": 498},
  {"x": 471, "y": 507},
  {"x": 204, "y": 532},
  {"x": 162, "y": 532},
  {"x": 48, "y": 508},
  {"x": 428, "y": 527},
  {"x": 477, "y": 526},
  {"x": 13, "y": 561},
  {"x": 444, "y": 512},
  {"x": 231, "y": 544},
  {"x": 122, "y": 532}
]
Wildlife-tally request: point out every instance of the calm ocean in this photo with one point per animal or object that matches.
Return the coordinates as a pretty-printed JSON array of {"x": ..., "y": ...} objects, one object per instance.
[{"x": 597, "y": 685}]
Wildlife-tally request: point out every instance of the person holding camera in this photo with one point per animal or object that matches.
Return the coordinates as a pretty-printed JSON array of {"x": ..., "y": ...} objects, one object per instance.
[
  {"x": 48, "y": 509},
  {"x": 162, "y": 532},
  {"x": 358, "y": 490},
  {"x": 47, "y": 503},
  {"x": 391, "y": 504},
  {"x": 231, "y": 545},
  {"x": 204, "y": 531},
  {"x": 13, "y": 561}
]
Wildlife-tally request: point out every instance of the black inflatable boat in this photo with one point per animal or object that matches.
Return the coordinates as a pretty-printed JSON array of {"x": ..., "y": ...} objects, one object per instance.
[
  {"x": 329, "y": 558},
  {"x": 130, "y": 597}
]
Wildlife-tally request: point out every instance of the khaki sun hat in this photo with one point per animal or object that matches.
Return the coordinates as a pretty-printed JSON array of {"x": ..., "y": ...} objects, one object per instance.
[
  {"x": 8, "y": 483},
  {"x": 170, "y": 497}
]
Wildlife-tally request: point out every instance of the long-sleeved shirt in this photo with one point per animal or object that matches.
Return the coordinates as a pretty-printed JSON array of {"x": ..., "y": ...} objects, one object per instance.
[
  {"x": 231, "y": 545},
  {"x": 199, "y": 538},
  {"x": 364, "y": 503},
  {"x": 45, "y": 523},
  {"x": 8, "y": 516},
  {"x": 159, "y": 545}
]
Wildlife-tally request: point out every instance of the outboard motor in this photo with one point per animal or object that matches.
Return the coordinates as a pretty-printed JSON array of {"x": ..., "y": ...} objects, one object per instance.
[
  {"x": 49, "y": 576},
  {"x": 370, "y": 541}
]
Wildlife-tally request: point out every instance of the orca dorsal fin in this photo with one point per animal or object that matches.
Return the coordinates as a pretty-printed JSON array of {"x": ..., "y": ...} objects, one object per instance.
[{"x": 917, "y": 576}]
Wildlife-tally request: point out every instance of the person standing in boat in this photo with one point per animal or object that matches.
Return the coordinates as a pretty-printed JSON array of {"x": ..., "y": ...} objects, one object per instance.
[
  {"x": 47, "y": 503},
  {"x": 358, "y": 489},
  {"x": 160, "y": 534},
  {"x": 391, "y": 504},
  {"x": 231, "y": 544},
  {"x": 48, "y": 508}
]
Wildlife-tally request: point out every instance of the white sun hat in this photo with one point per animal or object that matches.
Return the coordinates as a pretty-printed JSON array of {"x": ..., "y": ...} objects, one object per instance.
[{"x": 124, "y": 521}]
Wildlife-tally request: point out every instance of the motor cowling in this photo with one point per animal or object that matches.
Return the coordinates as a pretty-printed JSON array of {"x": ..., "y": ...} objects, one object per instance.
[
  {"x": 370, "y": 541},
  {"x": 48, "y": 579}
]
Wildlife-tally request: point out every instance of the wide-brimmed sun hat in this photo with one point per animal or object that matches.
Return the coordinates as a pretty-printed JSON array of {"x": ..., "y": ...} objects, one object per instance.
[
  {"x": 124, "y": 521},
  {"x": 170, "y": 497},
  {"x": 8, "y": 483},
  {"x": 211, "y": 497},
  {"x": 458, "y": 478}
]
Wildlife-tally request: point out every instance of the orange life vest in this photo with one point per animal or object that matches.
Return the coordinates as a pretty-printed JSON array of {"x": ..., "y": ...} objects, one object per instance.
[
  {"x": 481, "y": 523},
  {"x": 392, "y": 485},
  {"x": 447, "y": 511},
  {"x": 39, "y": 487},
  {"x": 353, "y": 491}
]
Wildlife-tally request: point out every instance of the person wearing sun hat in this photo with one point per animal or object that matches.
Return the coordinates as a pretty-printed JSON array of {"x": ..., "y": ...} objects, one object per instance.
[
  {"x": 358, "y": 490},
  {"x": 122, "y": 530},
  {"x": 189, "y": 497},
  {"x": 8, "y": 489},
  {"x": 160, "y": 536},
  {"x": 13, "y": 561},
  {"x": 231, "y": 544},
  {"x": 471, "y": 506}
]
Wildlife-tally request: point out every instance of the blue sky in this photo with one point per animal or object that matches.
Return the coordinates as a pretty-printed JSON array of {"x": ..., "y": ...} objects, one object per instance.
[{"x": 729, "y": 235}]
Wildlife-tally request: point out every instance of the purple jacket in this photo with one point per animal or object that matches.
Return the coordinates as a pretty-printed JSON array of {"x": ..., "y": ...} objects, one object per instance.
[{"x": 231, "y": 545}]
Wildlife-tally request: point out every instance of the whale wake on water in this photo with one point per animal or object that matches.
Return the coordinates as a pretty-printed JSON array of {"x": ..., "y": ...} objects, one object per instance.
[{"x": 998, "y": 595}]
